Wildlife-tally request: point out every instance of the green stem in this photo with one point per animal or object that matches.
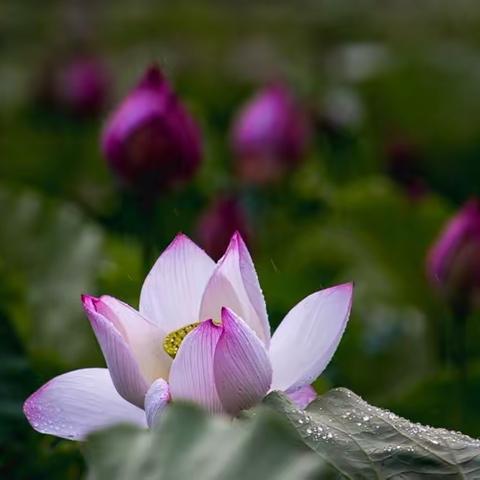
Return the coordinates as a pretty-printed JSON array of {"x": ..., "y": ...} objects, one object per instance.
[{"x": 146, "y": 212}]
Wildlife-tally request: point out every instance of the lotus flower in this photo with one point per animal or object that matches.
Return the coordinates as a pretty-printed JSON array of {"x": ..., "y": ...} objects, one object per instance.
[
  {"x": 453, "y": 263},
  {"x": 269, "y": 135},
  {"x": 150, "y": 141},
  {"x": 201, "y": 335}
]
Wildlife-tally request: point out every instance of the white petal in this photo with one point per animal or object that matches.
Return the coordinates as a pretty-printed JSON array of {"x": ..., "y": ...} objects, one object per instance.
[
  {"x": 145, "y": 339},
  {"x": 76, "y": 403},
  {"x": 306, "y": 340},
  {"x": 234, "y": 284},
  {"x": 122, "y": 364},
  {"x": 156, "y": 400},
  {"x": 172, "y": 291}
]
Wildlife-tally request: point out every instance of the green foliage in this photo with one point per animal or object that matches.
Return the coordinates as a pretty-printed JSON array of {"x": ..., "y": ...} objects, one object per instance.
[
  {"x": 362, "y": 441},
  {"x": 188, "y": 443},
  {"x": 52, "y": 253}
]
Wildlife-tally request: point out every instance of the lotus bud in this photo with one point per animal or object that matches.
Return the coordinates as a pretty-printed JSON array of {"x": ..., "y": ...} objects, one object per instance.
[
  {"x": 269, "y": 135},
  {"x": 224, "y": 216},
  {"x": 453, "y": 263},
  {"x": 83, "y": 85},
  {"x": 150, "y": 141},
  {"x": 79, "y": 85}
]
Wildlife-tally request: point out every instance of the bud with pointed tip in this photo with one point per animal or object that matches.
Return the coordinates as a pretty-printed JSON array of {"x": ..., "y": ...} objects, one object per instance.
[
  {"x": 453, "y": 263},
  {"x": 270, "y": 135},
  {"x": 224, "y": 216},
  {"x": 150, "y": 141}
]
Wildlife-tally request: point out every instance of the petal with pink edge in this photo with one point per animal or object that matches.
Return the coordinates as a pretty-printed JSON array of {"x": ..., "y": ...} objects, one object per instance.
[
  {"x": 302, "y": 397},
  {"x": 242, "y": 370},
  {"x": 156, "y": 400},
  {"x": 234, "y": 284},
  {"x": 305, "y": 341},
  {"x": 144, "y": 338},
  {"x": 172, "y": 291},
  {"x": 77, "y": 403},
  {"x": 124, "y": 369},
  {"x": 191, "y": 375}
]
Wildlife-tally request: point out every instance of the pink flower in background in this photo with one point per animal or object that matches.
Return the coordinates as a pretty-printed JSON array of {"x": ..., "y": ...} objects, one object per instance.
[
  {"x": 269, "y": 135},
  {"x": 201, "y": 334},
  {"x": 150, "y": 141},
  {"x": 83, "y": 85},
  {"x": 79, "y": 84},
  {"x": 453, "y": 263},
  {"x": 224, "y": 216}
]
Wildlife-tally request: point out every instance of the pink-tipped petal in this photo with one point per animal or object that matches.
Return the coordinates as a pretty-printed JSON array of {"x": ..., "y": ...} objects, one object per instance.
[
  {"x": 191, "y": 375},
  {"x": 124, "y": 368},
  {"x": 307, "y": 338},
  {"x": 234, "y": 284},
  {"x": 156, "y": 400},
  {"x": 242, "y": 370},
  {"x": 77, "y": 403},
  {"x": 144, "y": 338},
  {"x": 173, "y": 289},
  {"x": 302, "y": 397}
]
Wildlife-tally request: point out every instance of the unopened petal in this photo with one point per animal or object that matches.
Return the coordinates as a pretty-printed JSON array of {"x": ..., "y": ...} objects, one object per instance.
[
  {"x": 234, "y": 284},
  {"x": 173, "y": 289},
  {"x": 307, "y": 338},
  {"x": 156, "y": 400},
  {"x": 243, "y": 373},
  {"x": 191, "y": 375},
  {"x": 144, "y": 338},
  {"x": 127, "y": 377},
  {"x": 77, "y": 403}
]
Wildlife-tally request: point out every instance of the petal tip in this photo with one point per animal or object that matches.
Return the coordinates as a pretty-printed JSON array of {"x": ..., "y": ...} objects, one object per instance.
[
  {"x": 89, "y": 302},
  {"x": 30, "y": 406}
]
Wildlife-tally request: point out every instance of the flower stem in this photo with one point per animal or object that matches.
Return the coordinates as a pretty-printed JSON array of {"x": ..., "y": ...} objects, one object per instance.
[{"x": 146, "y": 208}]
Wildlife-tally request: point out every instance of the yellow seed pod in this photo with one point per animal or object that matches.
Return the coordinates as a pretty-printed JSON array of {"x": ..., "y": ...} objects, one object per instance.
[{"x": 173, "y": 340}]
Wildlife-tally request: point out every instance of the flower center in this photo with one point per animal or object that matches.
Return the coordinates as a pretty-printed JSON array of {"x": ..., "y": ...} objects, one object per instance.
[{"x": 173, "y": 340}]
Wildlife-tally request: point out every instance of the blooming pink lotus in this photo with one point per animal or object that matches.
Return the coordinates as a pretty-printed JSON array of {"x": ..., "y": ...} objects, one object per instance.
[{"x": 202, "y": 335}]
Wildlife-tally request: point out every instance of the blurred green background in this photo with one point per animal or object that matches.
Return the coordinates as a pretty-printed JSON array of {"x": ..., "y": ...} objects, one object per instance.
[{"x": 377, "y": 77}]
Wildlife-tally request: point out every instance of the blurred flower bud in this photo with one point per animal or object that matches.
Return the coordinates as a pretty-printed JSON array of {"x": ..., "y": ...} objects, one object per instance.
[
  {"x": 453, "y": 263},
  {"x": 269, "y": 136},
  {"x": 224, "y": 216},
  {"x": 404, "y": 163},
  {"x": 79, "y": 85},
  {"x": 150, "y": 141}
]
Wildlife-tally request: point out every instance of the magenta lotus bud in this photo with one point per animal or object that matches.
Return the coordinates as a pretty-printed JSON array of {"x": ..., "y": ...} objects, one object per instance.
[
  {"x": 453, "y": 263},
  {"x": 222, "y": 218},
  {"x": 270, "y": 135},
  {"x": 78, "y": 84},
  {"x": 82, "y": 85},
  {"x": 150, "y": 141}
]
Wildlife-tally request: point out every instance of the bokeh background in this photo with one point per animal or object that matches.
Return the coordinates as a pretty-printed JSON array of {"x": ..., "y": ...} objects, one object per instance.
[{"x": 392, "y": 92}]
